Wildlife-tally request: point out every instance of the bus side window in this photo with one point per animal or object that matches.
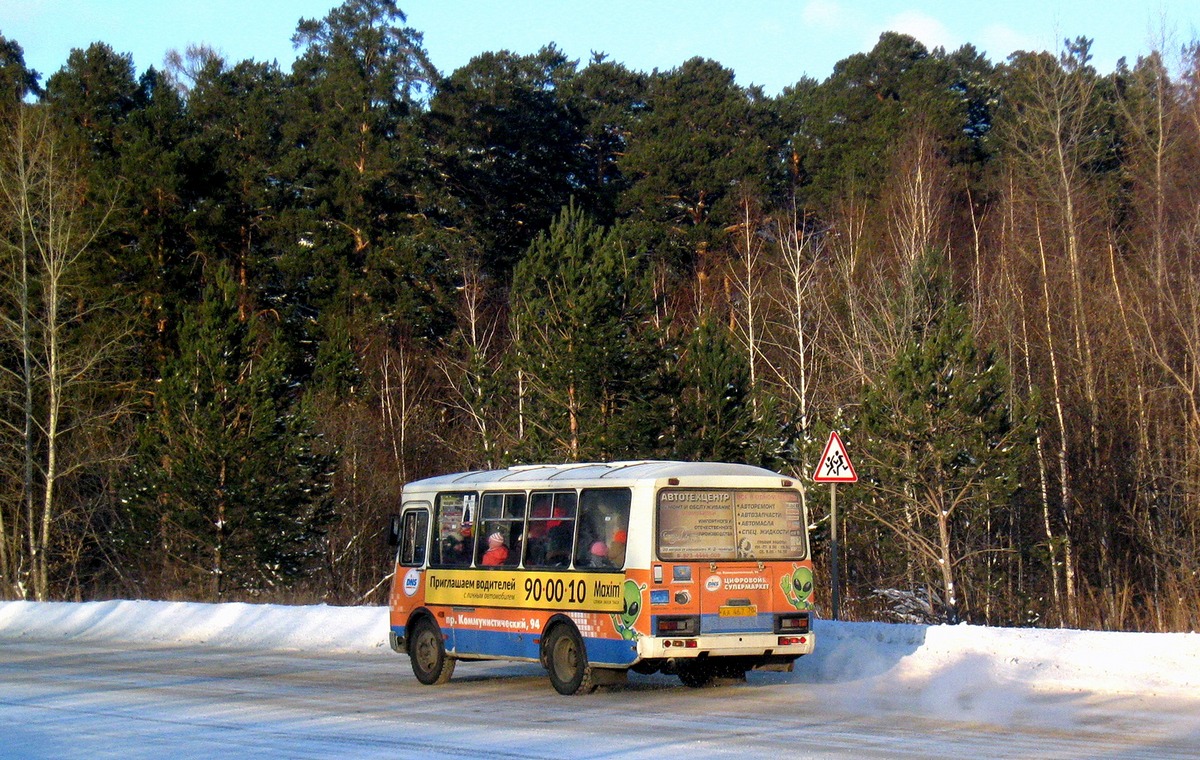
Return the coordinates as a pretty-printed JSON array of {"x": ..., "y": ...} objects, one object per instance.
[
  {"x": 551, "y": 529},
  {"x": 454, "y": 530},
  {"x": 603, "y": 523},
  {"x": 540, "y": 505},
  {"x": 514, "y": 514},
  {"x": 502, "y": 521}
]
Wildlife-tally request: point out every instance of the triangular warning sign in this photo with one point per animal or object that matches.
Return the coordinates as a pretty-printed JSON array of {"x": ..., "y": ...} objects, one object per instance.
[{"x": 835, "y": 465}]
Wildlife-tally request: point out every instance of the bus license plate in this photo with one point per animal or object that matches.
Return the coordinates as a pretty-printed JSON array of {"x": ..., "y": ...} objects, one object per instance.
[{"x": 750, "y": 611}]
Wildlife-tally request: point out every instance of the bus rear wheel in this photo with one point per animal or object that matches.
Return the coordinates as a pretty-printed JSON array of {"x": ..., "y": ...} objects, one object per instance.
[
  {"x": 696, "y": 674},
  {"x": 566, "y": 661},
  {"x": 430, "y": 663}
]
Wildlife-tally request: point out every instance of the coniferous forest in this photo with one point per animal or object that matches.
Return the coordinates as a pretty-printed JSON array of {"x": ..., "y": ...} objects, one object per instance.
[{"x": 242, "y": 305}]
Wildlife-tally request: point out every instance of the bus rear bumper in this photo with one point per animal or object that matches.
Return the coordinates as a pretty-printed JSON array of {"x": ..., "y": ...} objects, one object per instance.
[{"x": 772, "y": 646}]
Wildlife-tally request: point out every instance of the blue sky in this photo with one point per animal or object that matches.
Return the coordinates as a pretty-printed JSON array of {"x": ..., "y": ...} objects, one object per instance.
[{"x": 772, "y": 43}]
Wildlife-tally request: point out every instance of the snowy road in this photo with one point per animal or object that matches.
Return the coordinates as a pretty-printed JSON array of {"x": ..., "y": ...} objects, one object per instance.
[{"x": 70, "y": 698}]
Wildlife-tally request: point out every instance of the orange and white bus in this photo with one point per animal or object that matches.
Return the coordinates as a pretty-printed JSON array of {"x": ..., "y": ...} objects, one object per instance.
[{"x": 695, "y": 569}]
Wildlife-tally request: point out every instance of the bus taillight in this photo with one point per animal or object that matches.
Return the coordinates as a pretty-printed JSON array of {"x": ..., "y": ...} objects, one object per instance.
[
  {"x": 794, "y": 622},
  {"x": 678, "y": 625}
]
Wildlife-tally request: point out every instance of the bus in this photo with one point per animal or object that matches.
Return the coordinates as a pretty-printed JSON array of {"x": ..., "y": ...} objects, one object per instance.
[{"x": 700, "y": 570}]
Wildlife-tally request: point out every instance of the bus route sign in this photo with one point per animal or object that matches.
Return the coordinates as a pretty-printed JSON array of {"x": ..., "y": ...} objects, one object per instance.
[{"x": 834, "y": 465}]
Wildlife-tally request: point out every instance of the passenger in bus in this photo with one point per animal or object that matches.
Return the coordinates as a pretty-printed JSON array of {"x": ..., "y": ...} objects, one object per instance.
[
  {"x": 598, "y": 555},
  {"x": 453, "y": 551},
  {"x": 535, "y": 544},
  {"x": 497, "y": 552},
  {"x": 558, "y": 545},
  {"x": 535, "y": 552},
  {"x": 616, "y": 549}
]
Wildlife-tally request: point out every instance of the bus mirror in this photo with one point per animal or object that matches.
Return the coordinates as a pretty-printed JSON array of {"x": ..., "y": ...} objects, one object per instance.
[{"x": 394, "y": 530}]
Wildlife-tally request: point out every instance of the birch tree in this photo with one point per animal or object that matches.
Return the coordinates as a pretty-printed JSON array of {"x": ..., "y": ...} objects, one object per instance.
[{"x": 55, "y": 342}]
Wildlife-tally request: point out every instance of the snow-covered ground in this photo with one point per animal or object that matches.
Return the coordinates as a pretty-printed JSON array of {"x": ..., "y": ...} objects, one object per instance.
[
  {"x": 869, "y": 690},
  {"x": 1085, "y": 661}
]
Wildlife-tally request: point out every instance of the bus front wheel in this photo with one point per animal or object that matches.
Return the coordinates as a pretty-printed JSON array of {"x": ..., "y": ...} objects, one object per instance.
[
  {"x": 566, "y": 661},
  {"x": 430, "y": 663}
]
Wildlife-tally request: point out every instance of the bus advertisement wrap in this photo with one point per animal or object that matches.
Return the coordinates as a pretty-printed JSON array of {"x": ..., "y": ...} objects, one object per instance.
[
  {"x": 591, "y": 592},
  {"x": 730, "y": 524}
]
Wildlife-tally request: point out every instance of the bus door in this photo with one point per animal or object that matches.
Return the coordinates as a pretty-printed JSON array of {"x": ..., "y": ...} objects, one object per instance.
[
  {"x": 734, "y": 541},
  {"x": 410, "y": 531}
]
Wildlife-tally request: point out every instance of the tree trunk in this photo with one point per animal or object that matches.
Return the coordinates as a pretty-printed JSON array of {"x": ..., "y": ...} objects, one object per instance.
[
  {"x": 1066, "y": 494},
  {"x": 946, "y": 563}
]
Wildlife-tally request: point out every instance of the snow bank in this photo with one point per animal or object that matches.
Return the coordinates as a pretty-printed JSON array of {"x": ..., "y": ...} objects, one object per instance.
[
  {"x": 237, "y": 626},
  {"x": 1164, "y": 664},
  {"x": 940, "y": 661}
]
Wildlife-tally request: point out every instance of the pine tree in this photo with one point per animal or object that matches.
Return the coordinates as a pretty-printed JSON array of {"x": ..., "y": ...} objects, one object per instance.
[
  {"x": 586, "y": 353},
  {"x": 149, "y": 262},
  {"x": 16, "y": 79},
  {"x": 352, "y": 154},
  {"x": 608, "y": 97},
  {"x": 506, "y": 146},
  {"x": 90, "y": 98},
  {"x": 847, "y": 131},
  {"x": 695, "y": 150},
  {"x": 939, "y": 443},
  {"x": 234, "y": 165},
  {"x": 229, "y": 491},
  {"x": 715, "y": 418}
]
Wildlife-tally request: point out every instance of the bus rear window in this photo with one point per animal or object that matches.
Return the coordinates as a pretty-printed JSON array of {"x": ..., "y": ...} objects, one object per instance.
[{"x": 730, "y": 524}]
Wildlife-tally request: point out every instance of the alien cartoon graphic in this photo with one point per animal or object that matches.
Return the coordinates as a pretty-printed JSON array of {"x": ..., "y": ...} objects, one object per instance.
[
  {"x": 798, "y": 587},
  {"x": 632, "y": 601}
]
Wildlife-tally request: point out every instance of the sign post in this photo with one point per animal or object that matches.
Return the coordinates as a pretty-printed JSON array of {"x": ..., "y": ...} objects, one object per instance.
[{"x": 834, "y": 467}]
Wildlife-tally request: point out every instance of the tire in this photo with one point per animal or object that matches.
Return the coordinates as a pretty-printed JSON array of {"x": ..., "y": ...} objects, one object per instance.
[
  {"x": 427, "y": 652},
  {"x": 646, "y": 667},
  {"x": 734, "y": 669},
  {"x": 566, "y": 661},
  {"x": 696, "y": 675}
]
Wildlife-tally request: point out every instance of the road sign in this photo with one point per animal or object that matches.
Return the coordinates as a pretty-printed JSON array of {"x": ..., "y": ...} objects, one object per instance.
[{"x": 834, "y": 465}]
